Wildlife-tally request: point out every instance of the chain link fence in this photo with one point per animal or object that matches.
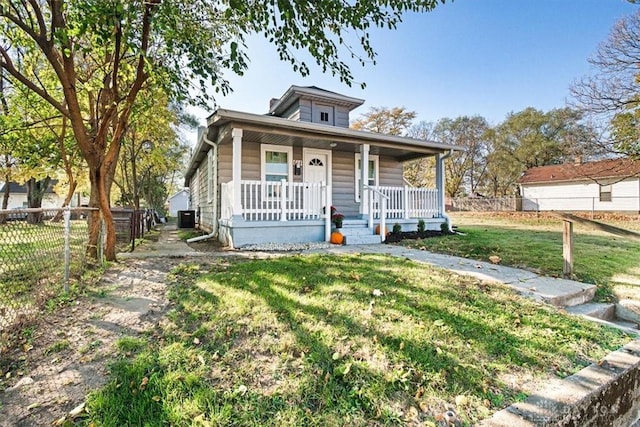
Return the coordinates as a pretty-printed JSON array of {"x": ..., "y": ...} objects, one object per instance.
[
  {"x": 587, "y": 205},
  {"x": 42, "y": 252},
  {"x": 484, "y": 204}
]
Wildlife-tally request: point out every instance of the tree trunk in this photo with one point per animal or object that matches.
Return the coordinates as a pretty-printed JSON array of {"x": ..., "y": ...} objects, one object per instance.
[
  {"x": 67, "y": 199},
  {"x": 35, "y": 193},
  {"x": 5, "y": 197}
]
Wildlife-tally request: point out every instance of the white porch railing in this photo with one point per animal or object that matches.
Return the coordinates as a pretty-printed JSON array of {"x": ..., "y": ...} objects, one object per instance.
[
  {"x": 406, "y": 202},
  {"x": 276, "y": 200},
  {"x": 383, "y": 215},
  {"x": 287, "y": 201}
]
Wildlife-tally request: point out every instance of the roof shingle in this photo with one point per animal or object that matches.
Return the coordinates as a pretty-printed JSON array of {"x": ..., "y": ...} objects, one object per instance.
[{"x": 611, "y": 168}]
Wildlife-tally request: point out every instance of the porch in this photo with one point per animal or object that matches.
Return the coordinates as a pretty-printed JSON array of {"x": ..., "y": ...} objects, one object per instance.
[{"x": 296, "y": 212}]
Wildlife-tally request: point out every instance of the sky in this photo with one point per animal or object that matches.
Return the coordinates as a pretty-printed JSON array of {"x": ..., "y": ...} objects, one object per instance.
[{"x": 466, "y": 57}]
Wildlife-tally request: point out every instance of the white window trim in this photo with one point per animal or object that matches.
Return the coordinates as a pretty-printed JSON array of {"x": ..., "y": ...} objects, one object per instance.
[
  {"x": 610, "y": 193},
  {"x": 358, "y": 174},
  {"x": 263, "y": 162}
]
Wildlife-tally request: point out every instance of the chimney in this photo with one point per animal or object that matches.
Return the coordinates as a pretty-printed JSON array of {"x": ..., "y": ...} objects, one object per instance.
[
  {"x": 577, "y": 161},
  {"x": 272, "y": 102},
  {"x": 201, "y": 131}
]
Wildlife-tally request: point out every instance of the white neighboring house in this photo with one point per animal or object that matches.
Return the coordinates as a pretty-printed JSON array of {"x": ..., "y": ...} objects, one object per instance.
[
  {"x": 608, "y": 185},
  {"x": 18, "y": 196},
  {"x": 179, "y": 202}
]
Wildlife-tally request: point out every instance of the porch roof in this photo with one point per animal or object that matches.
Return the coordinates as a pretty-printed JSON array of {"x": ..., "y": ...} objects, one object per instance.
[{"x": 276, "y": 130}]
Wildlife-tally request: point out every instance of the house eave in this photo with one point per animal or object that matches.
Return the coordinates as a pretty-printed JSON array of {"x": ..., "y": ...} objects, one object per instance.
[
  {"x": 222, "y": 117},
  {"x": 579, "y": 180},
  {"x": 295, "y": 92}
]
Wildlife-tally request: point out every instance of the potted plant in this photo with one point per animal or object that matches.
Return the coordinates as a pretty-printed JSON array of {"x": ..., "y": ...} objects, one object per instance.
[{"x": 336, "y": 217}]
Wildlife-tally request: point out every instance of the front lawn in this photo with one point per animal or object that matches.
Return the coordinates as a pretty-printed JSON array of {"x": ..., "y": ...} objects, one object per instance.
[
  {"x": 536, "y": 244},
  {"x": 339, "y": 340}
]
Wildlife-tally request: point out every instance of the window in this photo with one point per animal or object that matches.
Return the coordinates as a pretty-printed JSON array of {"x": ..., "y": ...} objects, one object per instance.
[
  {"x": 276, "y": 164},
  {"x": 605, "y": 193},
  {"x": 373, "y": 173},
  {"x": 324, "y": 116}
]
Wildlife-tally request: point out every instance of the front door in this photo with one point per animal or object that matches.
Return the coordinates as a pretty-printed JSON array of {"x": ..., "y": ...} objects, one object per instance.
[{"x": 316, "y": 166}]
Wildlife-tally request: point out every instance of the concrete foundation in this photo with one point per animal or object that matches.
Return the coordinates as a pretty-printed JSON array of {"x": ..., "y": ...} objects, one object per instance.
[{"x": 241, "y": 233}]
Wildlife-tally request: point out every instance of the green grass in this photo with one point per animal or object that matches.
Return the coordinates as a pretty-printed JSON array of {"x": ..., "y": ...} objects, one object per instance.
[
  {"x": 325, "y": 340},
  {"x": 599, "y": 258}
]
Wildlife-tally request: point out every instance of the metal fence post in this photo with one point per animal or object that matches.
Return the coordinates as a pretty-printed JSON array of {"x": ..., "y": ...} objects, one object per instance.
[{"x": 67, "y": 248}]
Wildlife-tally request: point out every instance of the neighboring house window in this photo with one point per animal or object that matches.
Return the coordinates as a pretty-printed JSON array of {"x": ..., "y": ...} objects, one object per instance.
[
  {"x": 210, "y": 161},
  {"x": 324, "y": 116},
  {"x": 276, "y": 164},
  {"x": 373, "y": 173},
  {"x": 605, "y": 193}
]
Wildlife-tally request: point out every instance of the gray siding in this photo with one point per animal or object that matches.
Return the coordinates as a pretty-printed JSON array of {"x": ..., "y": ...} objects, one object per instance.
[
  {"x": 344, "y": 184},
  {"x": 343, "y": 179},
  {"x": 305, "y": 110},
  {"x": 341, "y": 117},
  {"x": 293, "y": 112},
  {"x": 225, "y": 163},
  {"x": 250, "y": 161},
  {"x": 343, "y": 170},
  {"x": 390, "y": 173}
]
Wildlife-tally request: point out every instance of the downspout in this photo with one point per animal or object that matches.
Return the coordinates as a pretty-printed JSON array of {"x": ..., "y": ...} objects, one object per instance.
[
  {"x": 214, "y": 231},
  {"x": 444, "y": 175}
]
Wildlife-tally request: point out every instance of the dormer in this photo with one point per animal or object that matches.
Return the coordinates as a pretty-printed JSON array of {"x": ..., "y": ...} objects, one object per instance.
[{"x": 315, "y": 105}]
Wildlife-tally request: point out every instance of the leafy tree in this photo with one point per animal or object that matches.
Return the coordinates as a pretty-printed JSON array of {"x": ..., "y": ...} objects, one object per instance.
[
  {"x": 612, "y": 93},
  {"x": 390, "y": 121},
  {"x": 533, "y": 138},
  {"x": 465, "y": 169},
  {"x": 421, "y": 172},
  {"x": 152, "y": 152},
  {"x": 104, "y": 53},
  {"x": 399, "y": 121}
]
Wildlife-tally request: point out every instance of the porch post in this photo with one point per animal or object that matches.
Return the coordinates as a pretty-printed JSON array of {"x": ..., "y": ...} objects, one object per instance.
[
  {"x": 364, "y": 179},
  {"x": 237, "y": 171},
  {"x": 440, "y": 183},
  {"x": 405, "y": 202}
]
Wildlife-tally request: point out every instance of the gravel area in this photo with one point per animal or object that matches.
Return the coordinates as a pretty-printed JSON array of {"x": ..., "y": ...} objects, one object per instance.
[{"x": 285, "y": 247}]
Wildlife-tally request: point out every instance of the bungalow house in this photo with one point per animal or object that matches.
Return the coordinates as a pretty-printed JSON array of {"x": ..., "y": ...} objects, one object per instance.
[
  {"x": 274, "y": 178},
  {"x": 611, "y": 185}
]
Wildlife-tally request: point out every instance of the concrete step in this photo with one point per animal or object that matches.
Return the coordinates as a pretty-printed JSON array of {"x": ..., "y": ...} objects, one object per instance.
[
  {"x": 593, "y": 309},
  {"x": 355, "y": 231},
  {"x": 368, "y": 239},
  {"x": 629, "y": 310}
]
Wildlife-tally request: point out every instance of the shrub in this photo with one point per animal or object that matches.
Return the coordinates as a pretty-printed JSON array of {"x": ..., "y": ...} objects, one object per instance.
[
  {"x": 397, "y": 228},
  {"x": 444, "y": 227},
  {"x": 421, "y": 226}
]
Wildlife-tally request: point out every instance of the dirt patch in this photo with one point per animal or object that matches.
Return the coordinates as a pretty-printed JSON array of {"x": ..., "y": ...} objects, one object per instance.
[{"x": 67, "y": 355}]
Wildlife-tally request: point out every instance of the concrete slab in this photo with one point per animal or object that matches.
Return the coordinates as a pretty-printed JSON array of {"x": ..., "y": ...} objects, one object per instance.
[
  {"x": 559, "y": 292},
  {"x": 594, "y": 309}
]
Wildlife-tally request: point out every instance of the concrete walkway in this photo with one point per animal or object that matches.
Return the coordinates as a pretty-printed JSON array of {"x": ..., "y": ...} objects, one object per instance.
[
  {"x": 168, "y": 245},
  {"x": 559, "y": 292}
]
